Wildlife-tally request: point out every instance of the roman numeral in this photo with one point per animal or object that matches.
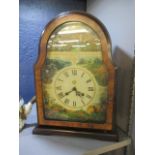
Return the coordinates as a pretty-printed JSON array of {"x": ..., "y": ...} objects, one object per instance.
[
  {"x": 83, "y": 102},
  {"x": 54, "y": 101},
  {"x": 58, "y": 88},
  {"x": 89, "y": 80},
  {"x": 90, "y": 88},
  {"x": 74, "y": 72},
  {"x": 60, "y": 95},
  {"x": 60, "y": 80},
  {"x": 82, "y": 74},
  {"x": 88, "y": 96},
  {"x": 66, "y": 101},
  {"x": 74, "y": 103},
  {"x": 66, "y": 74}
]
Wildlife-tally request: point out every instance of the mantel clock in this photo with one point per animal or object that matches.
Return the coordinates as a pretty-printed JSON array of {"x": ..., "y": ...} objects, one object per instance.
[{"x": 75, "y": 77}]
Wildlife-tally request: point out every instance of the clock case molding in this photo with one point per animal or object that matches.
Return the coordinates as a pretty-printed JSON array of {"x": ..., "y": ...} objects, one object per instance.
[{"x": 94, "y": 130}]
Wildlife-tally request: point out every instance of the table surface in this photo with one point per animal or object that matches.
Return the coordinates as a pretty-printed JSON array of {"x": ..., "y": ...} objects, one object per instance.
[{"x": 30, "y": 144}]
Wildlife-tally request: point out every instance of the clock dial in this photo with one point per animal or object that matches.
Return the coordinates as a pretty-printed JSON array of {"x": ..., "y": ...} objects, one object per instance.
[{"x": 75, "y": 87}]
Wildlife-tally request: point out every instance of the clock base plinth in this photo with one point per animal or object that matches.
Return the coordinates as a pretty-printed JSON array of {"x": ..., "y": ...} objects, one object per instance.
[{"x": 96, "y": 134}]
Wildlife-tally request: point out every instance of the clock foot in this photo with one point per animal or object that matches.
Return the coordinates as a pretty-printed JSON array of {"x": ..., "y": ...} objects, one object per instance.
[{"x": 95, "y": 134}]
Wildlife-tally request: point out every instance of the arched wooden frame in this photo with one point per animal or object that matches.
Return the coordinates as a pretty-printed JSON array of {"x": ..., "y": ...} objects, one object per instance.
[{"x": 101, "y": 31}]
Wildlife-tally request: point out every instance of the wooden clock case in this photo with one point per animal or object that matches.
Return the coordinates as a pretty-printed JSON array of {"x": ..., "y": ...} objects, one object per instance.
[{"x": 94, "y": 130}]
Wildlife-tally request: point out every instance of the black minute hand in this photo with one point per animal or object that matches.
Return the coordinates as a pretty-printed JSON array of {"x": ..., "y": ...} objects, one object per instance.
[{"x": 73, "y": 89}]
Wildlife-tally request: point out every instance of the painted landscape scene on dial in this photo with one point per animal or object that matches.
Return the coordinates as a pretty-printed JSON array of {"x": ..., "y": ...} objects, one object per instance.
[{"x": 93, "y": 112}]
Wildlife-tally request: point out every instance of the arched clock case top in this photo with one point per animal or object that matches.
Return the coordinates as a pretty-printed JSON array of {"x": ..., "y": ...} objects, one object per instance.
[{"x": 105, "y": 44}]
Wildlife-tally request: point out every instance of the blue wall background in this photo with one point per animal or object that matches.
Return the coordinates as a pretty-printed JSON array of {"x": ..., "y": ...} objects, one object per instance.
[{"x": 34, "y": 15}]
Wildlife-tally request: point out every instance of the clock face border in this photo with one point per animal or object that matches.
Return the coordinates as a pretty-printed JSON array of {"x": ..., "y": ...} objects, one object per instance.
[
  {"x": 101, "y": 31},
  {"x": 86, "y": 72}
]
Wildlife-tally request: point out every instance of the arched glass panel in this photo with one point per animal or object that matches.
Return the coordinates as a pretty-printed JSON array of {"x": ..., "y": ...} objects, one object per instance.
[{"x": 74, "y": 75}]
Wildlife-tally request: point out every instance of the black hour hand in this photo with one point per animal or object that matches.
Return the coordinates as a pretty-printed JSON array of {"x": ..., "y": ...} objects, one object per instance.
[{"x": 79, "y": 93}]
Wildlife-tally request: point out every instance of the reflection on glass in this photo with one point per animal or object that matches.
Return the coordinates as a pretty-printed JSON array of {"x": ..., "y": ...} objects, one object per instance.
[{"x": 74, "y": 36}]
